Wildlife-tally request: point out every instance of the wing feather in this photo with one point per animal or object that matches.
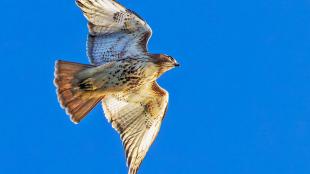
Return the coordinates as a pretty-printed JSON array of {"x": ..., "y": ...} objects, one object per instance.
[
  {"x": 137, "y": 116},
  {"x": 114, "y": 31}
]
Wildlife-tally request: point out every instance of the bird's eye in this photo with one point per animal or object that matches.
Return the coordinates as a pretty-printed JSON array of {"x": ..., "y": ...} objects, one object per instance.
[{"x": 171, "y": 58}]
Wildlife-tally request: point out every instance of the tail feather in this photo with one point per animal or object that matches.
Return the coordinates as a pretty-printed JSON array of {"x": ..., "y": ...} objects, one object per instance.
[
  {"x": 78, "y": 109},
  {"x": 70, "y": 96}
]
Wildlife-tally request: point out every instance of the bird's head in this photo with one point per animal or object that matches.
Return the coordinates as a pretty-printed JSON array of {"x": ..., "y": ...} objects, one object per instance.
[{"x": 164, "y": 61}]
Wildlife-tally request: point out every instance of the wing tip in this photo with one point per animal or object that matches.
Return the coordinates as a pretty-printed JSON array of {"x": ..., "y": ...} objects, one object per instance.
[{"x": 132, "y": 171}]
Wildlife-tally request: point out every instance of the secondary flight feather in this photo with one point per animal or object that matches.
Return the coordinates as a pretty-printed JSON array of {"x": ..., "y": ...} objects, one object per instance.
[{"x": 122, "y": 76}]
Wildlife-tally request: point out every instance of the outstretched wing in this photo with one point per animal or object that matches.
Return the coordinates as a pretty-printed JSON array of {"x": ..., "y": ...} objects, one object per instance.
[
  {"x": 137, "y": 117},
  {"x": 114, "y": 31}
]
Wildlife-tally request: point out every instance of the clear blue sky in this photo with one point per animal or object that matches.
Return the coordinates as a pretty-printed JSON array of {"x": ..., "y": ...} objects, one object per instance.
[{"x": 240, "y": 103}]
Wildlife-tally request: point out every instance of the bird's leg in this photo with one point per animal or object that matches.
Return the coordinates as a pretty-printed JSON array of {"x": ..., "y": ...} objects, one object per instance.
[{"x": 88, "y": 84}]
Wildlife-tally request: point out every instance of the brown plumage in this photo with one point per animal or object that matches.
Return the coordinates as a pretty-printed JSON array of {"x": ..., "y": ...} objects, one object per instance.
[{"x": 122, "y": 76}]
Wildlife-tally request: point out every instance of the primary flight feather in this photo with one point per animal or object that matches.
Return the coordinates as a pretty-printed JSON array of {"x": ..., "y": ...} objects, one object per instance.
[{"x": 122, "y": 76}]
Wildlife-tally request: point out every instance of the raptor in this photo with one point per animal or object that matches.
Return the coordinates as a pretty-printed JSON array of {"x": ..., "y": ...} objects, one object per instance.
[{"x": 122, "y": 76}]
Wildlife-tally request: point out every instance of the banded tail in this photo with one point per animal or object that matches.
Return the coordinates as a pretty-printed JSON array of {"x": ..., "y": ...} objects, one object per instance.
[{"x": 69, "y": 92}]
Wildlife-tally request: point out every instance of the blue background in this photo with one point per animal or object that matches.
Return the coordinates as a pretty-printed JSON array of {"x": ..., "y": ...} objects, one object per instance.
[{"x": 239, "y": 104}]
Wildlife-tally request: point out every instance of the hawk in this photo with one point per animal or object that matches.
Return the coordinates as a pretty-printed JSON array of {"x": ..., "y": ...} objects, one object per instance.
[{"x": 122, "y": 76}]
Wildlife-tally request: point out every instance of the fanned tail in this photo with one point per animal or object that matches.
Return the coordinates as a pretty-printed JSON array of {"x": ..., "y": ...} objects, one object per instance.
[{"x": 70, "y": 96}]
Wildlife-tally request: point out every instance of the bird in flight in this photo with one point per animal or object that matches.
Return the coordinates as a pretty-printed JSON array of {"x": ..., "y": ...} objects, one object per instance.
[{"x": 122, "y": 76}]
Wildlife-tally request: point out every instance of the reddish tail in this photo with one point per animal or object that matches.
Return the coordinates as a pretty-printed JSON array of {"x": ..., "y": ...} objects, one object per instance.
[{"x": 69, "y": 93}]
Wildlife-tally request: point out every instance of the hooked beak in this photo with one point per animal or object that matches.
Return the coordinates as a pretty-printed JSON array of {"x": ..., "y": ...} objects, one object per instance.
[{"x": 177, "y": 64}]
